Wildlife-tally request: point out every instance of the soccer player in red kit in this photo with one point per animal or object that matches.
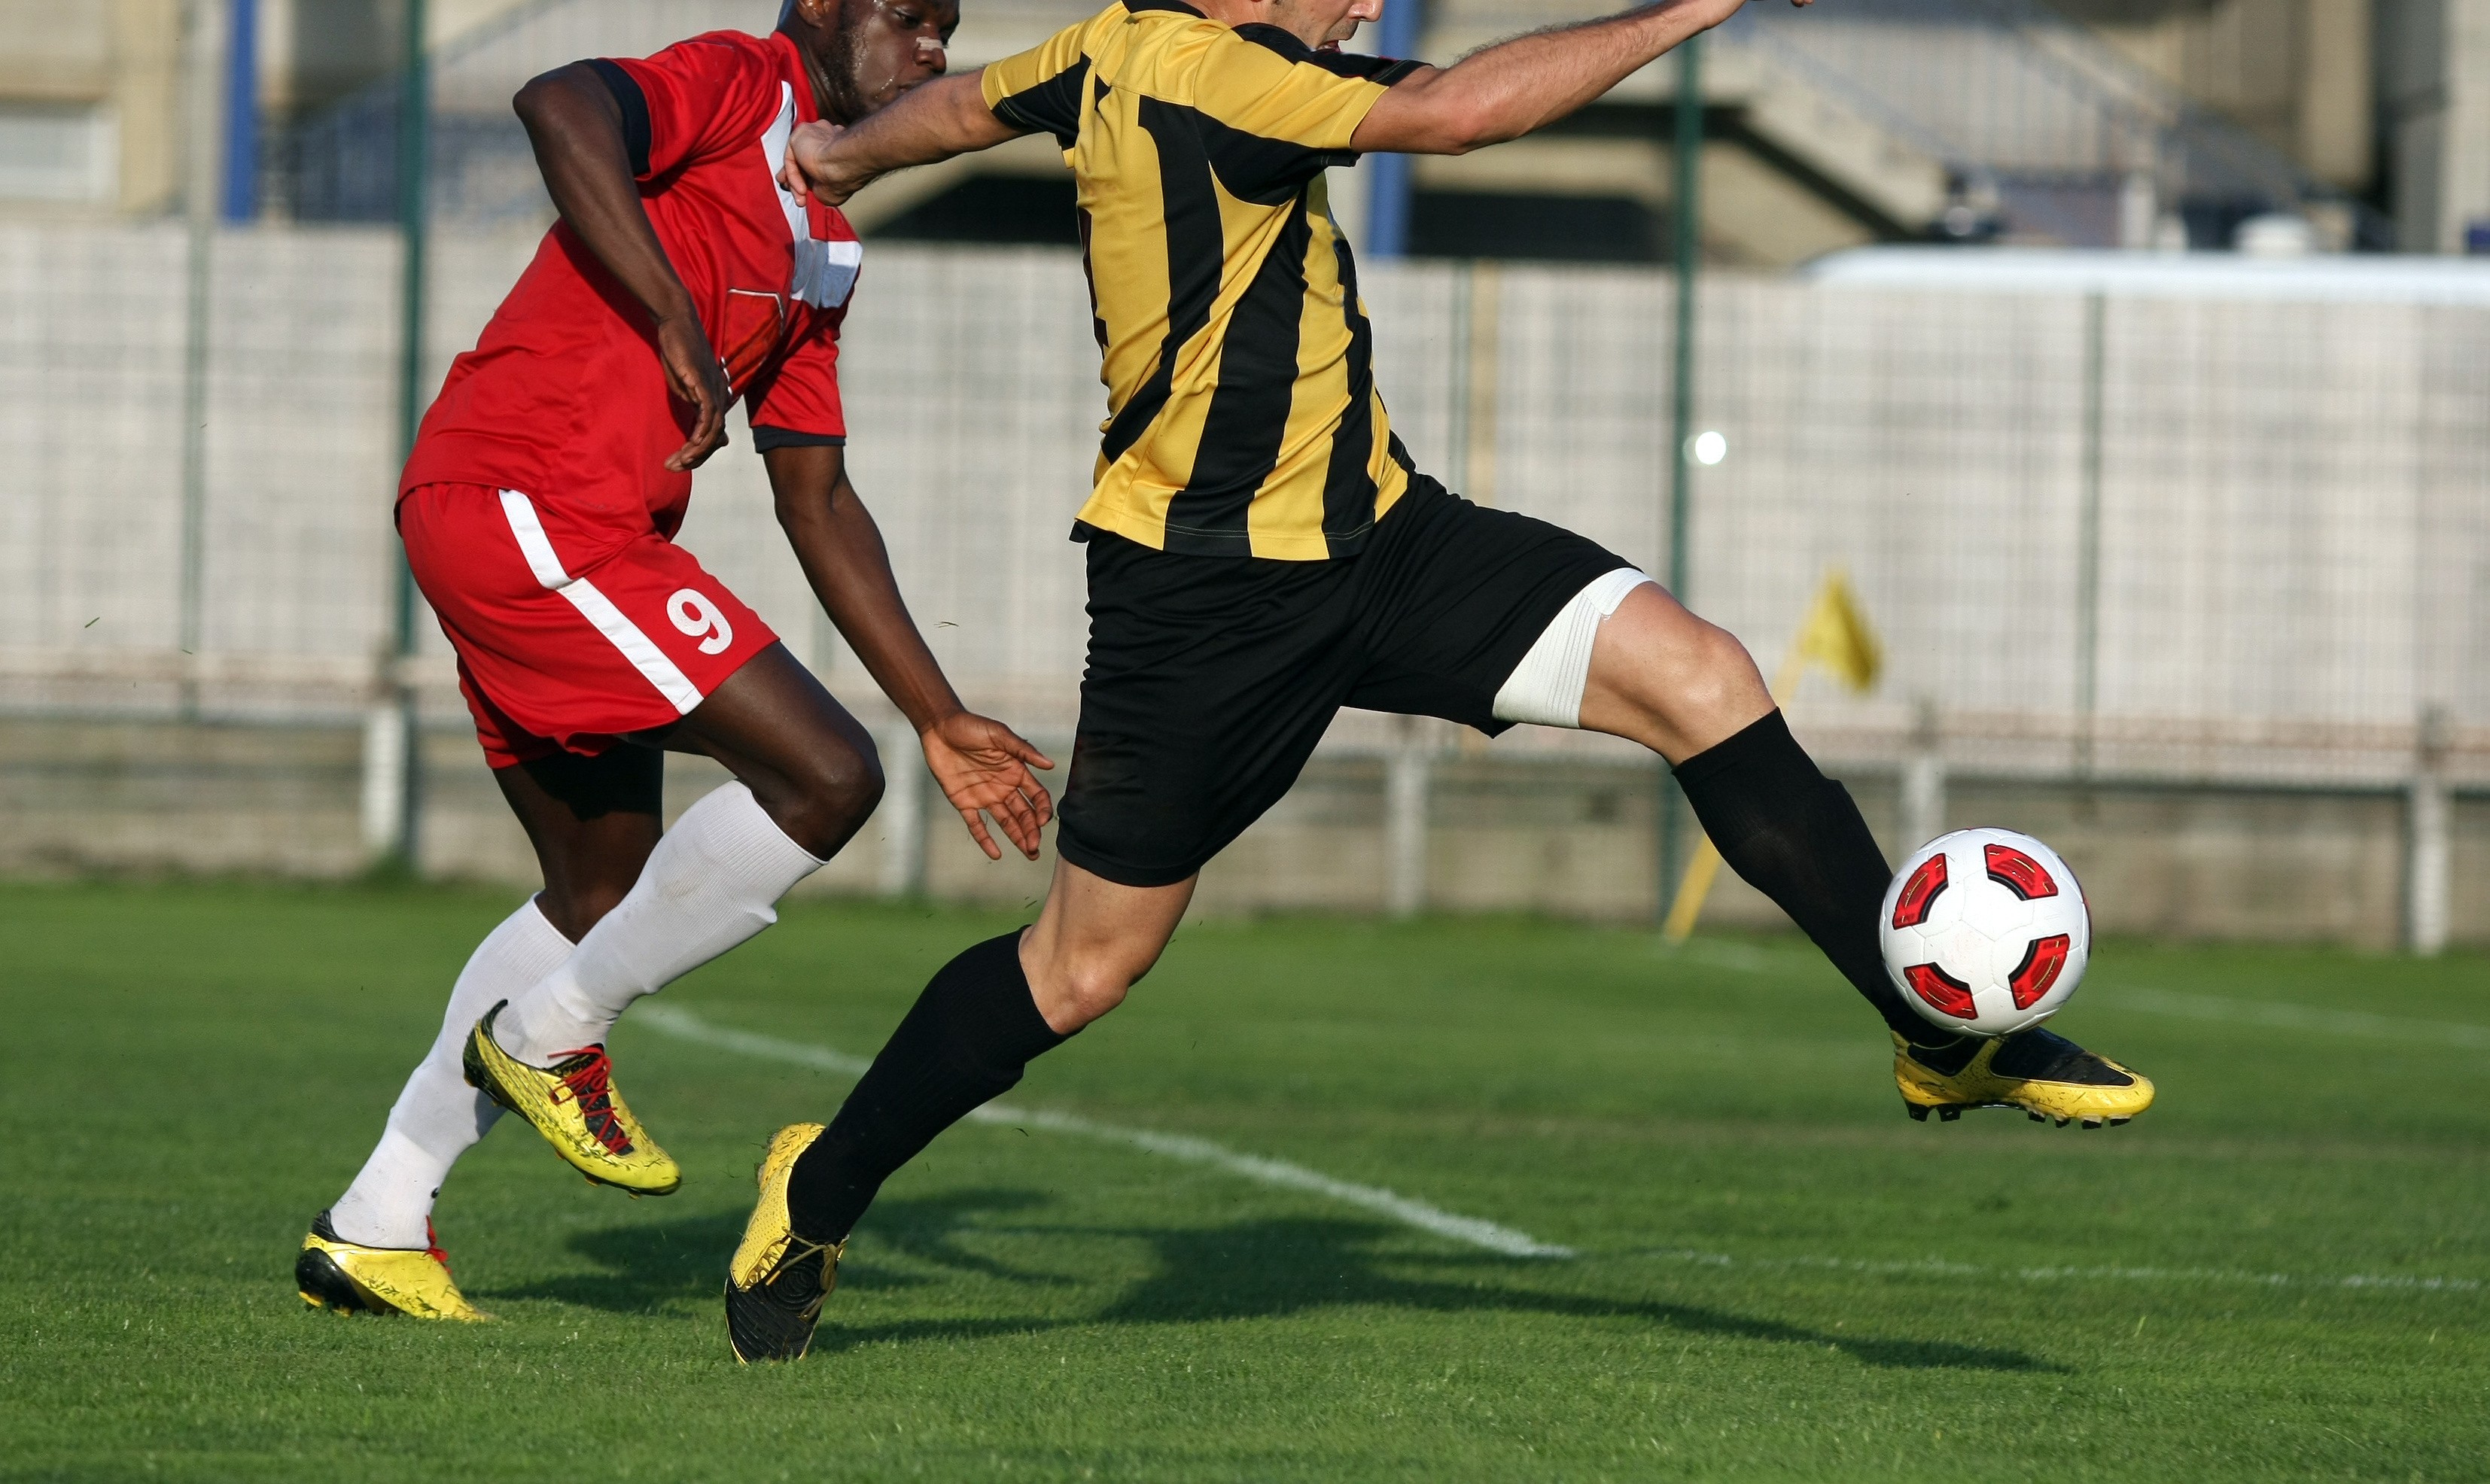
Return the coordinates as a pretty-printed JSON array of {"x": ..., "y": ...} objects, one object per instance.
[{"x": 538, "y": 511}]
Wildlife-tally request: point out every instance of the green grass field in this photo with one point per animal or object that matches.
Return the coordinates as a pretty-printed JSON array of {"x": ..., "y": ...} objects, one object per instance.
[{"x": 2279, "y": 1274}]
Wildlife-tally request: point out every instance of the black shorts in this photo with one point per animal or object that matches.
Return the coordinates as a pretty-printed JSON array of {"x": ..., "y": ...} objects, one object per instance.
[{"x": 1211, "y": 678}]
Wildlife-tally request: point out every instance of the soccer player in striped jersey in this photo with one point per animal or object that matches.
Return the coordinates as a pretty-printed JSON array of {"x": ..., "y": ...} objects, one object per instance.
[
  {"x": 1261, "y": 552},
  {"x": 539, "y": 509}
]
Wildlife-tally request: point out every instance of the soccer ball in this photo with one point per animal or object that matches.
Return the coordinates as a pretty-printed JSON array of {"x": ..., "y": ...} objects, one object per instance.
[{"x": 1986, "y": 932}]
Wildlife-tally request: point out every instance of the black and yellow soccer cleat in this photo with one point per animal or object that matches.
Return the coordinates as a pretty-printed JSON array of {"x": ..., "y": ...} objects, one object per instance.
[
  {"x": 777, "y": 1282},
  {"x": 2046, "y": 1075},
  {"x": 348, "y": 1277},
  {"x": 575, "y": 1105}
]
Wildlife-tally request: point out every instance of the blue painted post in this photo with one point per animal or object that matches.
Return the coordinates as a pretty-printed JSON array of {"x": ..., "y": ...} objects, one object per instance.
[
  {"x": 1387, "y": 224},
  {"x": 242, "y": 112}
]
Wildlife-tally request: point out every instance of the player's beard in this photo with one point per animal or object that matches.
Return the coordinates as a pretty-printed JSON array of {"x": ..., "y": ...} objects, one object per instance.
[{"x": 851, "y": 94}]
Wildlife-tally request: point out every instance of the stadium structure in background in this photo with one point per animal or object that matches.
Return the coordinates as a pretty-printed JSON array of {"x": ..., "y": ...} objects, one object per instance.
[
  {"x": 2187, "y": 570},
  {"x": 1959, "y": 120}
]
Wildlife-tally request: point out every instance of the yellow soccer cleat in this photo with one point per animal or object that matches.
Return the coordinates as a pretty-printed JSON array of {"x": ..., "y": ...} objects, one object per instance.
[
  {"x": 777, "y": 1282},
  {"x": 2044, "y": 1074},
  {"x": 351, "y": 1278},
  {"x": 574, "y": 1104}
]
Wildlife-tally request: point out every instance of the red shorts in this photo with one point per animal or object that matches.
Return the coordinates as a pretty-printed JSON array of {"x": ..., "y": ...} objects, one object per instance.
[{"x": 568, "y": 636}]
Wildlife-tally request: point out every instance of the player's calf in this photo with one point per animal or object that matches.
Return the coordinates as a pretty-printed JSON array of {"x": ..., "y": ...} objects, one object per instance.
[{"x": 964, "y": 1043}]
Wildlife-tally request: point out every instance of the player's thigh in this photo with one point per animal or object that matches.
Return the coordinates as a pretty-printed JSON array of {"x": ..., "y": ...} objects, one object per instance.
[
  {"x": 1453, "y": 595},
  {"x": 1209, "y": 682},
  {"x": 1665, "y": 678}
]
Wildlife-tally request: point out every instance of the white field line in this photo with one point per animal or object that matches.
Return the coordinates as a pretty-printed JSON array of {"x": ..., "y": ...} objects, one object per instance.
[
  {"x": 684, "y": 1025},
  {"x": 1940, "y": 1268}
]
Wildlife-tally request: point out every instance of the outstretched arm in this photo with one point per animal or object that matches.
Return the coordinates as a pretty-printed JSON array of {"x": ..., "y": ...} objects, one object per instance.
[
  {"x": 576, "y": 127},
  {"x": 982, "y": 765},
  {"x": 1508, "y": 90},
  {"x": 931, "y": 123}
]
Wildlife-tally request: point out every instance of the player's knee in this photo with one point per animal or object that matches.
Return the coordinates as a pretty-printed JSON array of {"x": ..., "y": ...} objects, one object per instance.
[
  {"x": 1702, "y": 672},
  {"x": 1087, "y": 991},
  {"x": 1719, "y": 667},
  {"x": 838, "y": 791}
]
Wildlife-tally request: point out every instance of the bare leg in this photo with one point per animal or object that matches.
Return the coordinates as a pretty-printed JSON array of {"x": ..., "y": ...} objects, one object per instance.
[
  {"x": 1667, "y": 679},
  {"x": 1095, "y": 941},
  {"x": 810, "y": 765},
  {"x": 593, "y": 822}
]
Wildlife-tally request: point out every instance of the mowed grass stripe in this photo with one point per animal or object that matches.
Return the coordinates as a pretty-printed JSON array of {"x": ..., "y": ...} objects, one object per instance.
[{"x": 189, "y": 1071}]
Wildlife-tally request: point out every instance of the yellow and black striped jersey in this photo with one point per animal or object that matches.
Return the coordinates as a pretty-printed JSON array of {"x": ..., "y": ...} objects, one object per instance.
[{"x": 1243, "y": 418}]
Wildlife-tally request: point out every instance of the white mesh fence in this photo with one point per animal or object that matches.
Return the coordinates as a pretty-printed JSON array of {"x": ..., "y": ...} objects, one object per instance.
[{"x": 2293, "y": 500}]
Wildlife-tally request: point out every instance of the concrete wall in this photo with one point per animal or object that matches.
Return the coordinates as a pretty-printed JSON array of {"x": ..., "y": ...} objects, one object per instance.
[{"x": 1569, "y": 840}]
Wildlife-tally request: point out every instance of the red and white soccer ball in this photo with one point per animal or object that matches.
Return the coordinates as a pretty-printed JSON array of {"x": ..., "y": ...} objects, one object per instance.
[{"x": 1986, "y": 932}]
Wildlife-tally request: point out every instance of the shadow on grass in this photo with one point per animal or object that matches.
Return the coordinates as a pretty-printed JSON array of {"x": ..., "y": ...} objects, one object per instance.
[
  {"x": 1262, "y": 1269},
  {"x": 1271, "y": 1268},
  {"x": 645, "y": 1266}
]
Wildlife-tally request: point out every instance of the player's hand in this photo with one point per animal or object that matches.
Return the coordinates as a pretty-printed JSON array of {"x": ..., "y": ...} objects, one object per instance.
[
  {"x": 984, "y": 769},
  {"x": 813, "y": 169},
  {"x": 694, "y": 375}
]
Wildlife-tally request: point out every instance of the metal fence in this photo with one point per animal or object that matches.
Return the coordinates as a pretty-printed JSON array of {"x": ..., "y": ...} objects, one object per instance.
[
  {"x": 2222, "y": 538},
  {"x": 2147, "y": 542}
]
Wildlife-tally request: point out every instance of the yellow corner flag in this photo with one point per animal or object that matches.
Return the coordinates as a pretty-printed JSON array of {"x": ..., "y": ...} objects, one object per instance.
[{"x": 1833, "y": 635}]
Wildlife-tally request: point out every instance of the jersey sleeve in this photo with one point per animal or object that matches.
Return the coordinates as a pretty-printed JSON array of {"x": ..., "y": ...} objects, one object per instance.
[
  {"x": 1041, "y": 89},
  {"x": 797, "y": 404},
  {"x": 698, "y": 98},
  {"x": 1292, "y": 109}
]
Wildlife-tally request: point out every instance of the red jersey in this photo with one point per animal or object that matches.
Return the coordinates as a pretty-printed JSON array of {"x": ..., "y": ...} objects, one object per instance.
[{"x": 564, "y": 396}]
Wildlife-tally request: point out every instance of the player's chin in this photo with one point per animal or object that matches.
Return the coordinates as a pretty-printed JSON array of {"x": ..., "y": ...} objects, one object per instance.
[{"x": 893, "y": 92}]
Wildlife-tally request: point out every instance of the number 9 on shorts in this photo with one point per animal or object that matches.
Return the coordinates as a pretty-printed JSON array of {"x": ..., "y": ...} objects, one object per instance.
[{"x": 693, "y": 614}]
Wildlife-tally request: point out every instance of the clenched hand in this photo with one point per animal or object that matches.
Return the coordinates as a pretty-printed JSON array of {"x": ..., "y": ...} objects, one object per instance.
[{"x": 694, "y": 375}]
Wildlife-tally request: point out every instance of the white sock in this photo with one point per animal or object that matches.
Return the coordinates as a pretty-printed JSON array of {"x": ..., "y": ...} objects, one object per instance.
[
  {"x": 710, "y": 883},
  {"x": 439, "y": 1117}
]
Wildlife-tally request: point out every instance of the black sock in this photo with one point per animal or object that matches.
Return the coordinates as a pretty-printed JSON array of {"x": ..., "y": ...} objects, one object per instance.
[
  {"x": 965, "y": 1043},
  {"x": 1795, "y": 836}
]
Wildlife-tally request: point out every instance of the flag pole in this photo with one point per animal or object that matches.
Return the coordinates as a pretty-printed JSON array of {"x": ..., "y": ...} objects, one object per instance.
[
  {"x": 414, "y": 154},
  {"x": 1686, "y": 209}
]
